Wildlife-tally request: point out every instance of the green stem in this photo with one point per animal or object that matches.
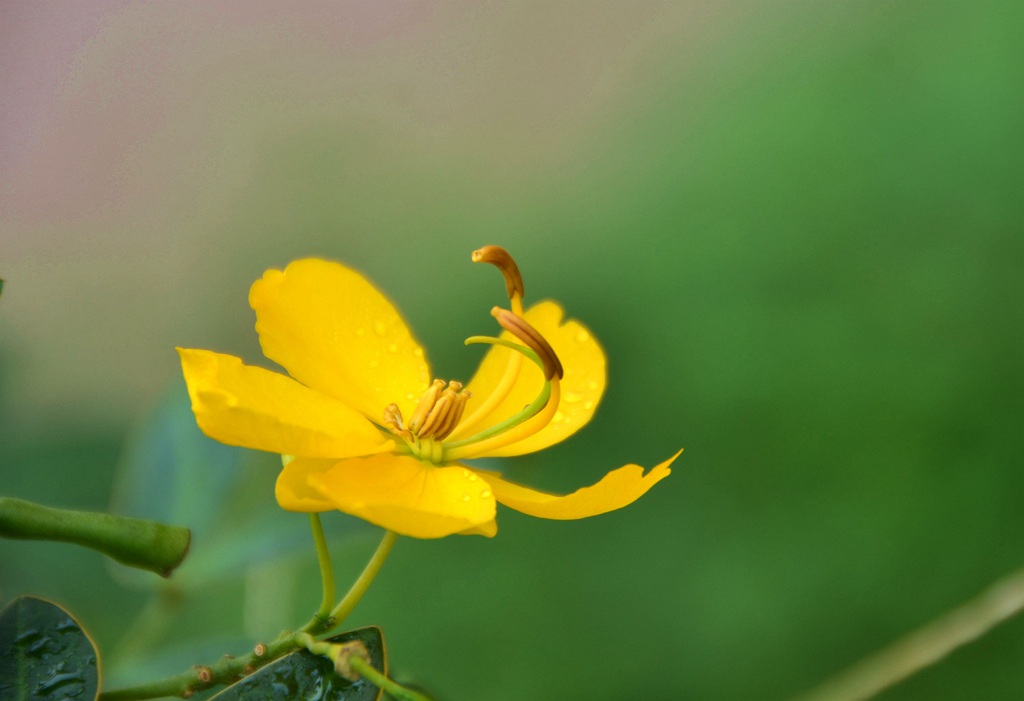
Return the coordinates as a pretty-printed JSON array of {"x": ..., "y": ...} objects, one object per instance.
[
  {"x": 134, "y": 542},
  {"x": 185, "y": 684},
  {"x": 359, "y": 587},
  {"x": 379, "y": 680},
  {"x": 926, "y": 645},
  {"x": 323, "y": 556},
  {"x": 228, "y": 669}
]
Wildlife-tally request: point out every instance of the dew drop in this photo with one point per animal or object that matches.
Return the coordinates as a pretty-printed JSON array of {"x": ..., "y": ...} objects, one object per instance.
[
  {"x": 392, "y": 347},
  {"x": 558, "y": 418},
  {"x": 592, "y": 385},
  {"x": 465, "y": 497},
  {"x": 582, "y": 336},
  {"x": 374, "y": 363},
  {"x": 410, "y": 396},
  {"x": 380, "y": 328},
  {"x": 572, "y": 397},
  {"x": 485, "y": 494},
  {"x": 418, "y": 352},
  {"x": 588, "y": 405},
  {"x": 471, "y": 477}
]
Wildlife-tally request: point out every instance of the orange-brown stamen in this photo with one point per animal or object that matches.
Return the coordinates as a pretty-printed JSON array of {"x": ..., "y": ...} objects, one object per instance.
[
  {"x": 499, "y": 257},
  {"x": 521, "y": 328}
]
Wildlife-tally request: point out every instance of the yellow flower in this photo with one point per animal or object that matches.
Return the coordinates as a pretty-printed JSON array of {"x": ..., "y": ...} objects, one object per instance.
[{"x": 366, "y": 431}]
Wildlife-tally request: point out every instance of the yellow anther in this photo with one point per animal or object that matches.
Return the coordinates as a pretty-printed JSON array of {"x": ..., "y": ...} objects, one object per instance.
[
  {"x": 521, "y": 329},
  {"x": 437, "y": 416},
  {"x": 427, "y": 402},
  {"x": 453, "y": 416},
  {"x": 499, "y": 257}
]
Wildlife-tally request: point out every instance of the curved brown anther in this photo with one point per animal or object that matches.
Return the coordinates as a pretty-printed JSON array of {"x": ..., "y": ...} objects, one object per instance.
[
  {"x": 521, "y": 329},
  {"x": 499, "y": 257}
]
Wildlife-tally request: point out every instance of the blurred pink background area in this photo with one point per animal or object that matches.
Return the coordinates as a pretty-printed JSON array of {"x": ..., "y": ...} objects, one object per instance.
[{"x": 130, "y": 133}]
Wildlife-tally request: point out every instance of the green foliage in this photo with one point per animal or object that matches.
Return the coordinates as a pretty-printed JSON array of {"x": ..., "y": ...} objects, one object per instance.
[
  {"x": 303, "y": 675},
  {"x": 45, "y": 654}
]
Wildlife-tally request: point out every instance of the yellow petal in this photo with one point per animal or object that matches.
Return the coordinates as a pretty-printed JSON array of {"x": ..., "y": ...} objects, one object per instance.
[
  {"x": 618, "y": 488},
  {"x": 251, "y": 407},
  {"x": 488, "y": 530},
  {"x": 583, "y": 361},
  {"x": 333, "y": 331},
  {"x": 293, "y": 491},
  {"x": 406, "y": 495}
]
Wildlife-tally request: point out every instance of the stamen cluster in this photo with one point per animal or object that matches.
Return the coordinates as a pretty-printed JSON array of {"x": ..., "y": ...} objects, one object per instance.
[
  {"x": 436, "y": 416},
  {"x": 442, "y": 405}
]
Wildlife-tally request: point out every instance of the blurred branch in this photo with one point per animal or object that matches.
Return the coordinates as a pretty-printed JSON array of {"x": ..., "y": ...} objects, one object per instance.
[
  {"x": 135, "y": 542},
  {"x": 926, "y": 645}
]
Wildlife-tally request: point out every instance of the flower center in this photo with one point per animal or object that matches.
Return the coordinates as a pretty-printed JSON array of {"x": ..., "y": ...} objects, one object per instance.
[
  {"x": 436, "y": 415},
  {"x": 442, "y": 405}
]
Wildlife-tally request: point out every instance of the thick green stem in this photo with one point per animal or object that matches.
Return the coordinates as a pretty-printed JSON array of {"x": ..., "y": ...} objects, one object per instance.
[
  {"x": 135, "y": 542},
  {"x": 323, "y": 556},
  {"x": 198, "y": 678}
]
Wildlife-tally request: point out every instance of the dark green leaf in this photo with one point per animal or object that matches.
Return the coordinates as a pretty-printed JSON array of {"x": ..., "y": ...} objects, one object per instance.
[
  {"x": 303, "y": 675},
  {"x": 45, "y": 654}
]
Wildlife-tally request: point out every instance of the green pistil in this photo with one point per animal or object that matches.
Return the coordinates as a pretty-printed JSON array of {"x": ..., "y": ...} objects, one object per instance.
[{"x": 529, "y": 412}]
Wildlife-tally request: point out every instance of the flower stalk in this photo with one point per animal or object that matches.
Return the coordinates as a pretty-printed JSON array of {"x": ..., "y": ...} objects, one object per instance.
[{"x": 230, "y": 669}]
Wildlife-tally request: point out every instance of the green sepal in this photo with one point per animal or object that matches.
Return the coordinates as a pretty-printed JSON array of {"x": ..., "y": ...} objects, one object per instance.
[
  {"x": 45, "y": 654},
  {"x": 303, "y": 675}
]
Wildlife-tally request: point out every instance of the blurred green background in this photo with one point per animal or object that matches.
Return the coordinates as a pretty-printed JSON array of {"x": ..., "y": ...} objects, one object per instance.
[{"x": 795, "y": 227}]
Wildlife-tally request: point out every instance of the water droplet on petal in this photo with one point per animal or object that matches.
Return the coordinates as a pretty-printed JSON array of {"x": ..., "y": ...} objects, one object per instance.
[
  {"x": 392, "y": 347},
  {"x": 380, "y": 328},
  {"x": 465, "y": 497},
  {"x": 572, "y": 397},
  {"x": 418, "y": 352},
  {"x": 588, "y": 405},
  {"x": 485, "y": 494},
  {"x": 471, "y": 477},
  {"x": 582, "y": 336},
  {"x": 374, "y": 363},
  {"x": 592, "y": 385},
  {"x": 558, "y": 418}
]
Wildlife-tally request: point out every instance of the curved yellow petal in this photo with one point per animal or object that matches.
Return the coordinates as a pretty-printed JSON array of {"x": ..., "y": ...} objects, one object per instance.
[
  {"x": 333, "y": 331},
  {"x": 251, "y": 407},
  {"x": 618, "y": 488},
  {"x": 293, "y": 490},
  {"x": 406, "y": 495},
  {"x": 582, "y": 386}
]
